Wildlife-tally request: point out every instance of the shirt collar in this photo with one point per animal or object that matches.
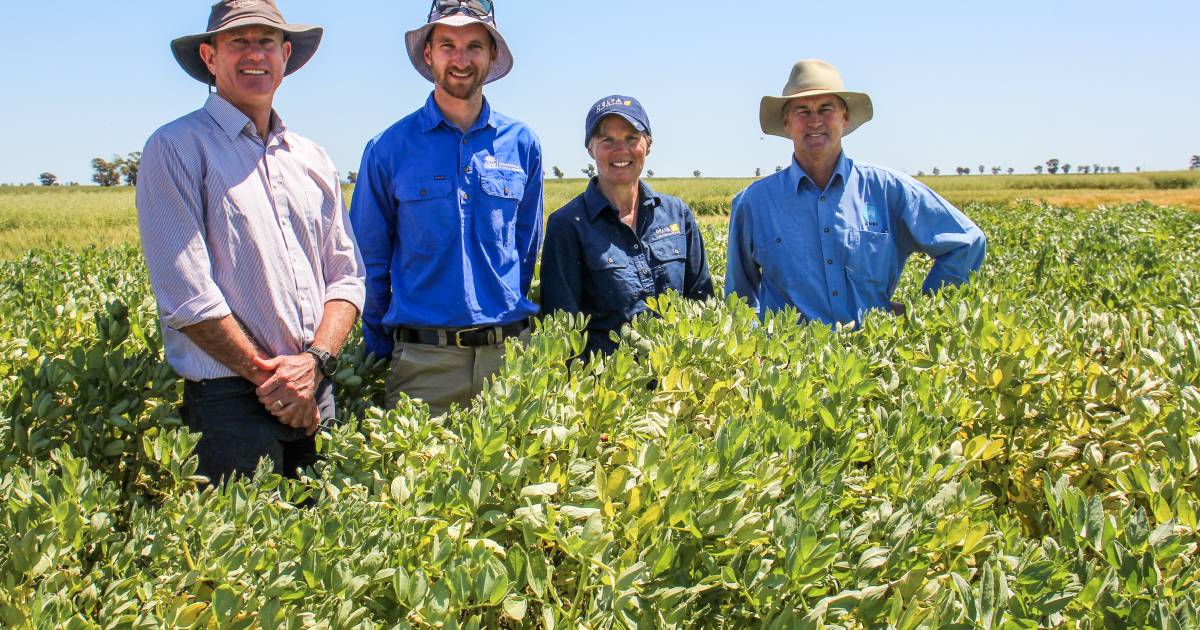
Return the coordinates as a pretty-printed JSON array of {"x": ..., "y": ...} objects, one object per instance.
[
  {"x": 596, "y": 202},
  {"x": 796, "y": 174},
  {"x": 432, "y": 116},
  {"x": 233, "y": 122}
]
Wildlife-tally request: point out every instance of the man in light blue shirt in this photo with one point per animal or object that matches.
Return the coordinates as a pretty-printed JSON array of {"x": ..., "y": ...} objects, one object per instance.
[
  {"x": 830, "y": 236},
  {"x": 448, "y": 210}
]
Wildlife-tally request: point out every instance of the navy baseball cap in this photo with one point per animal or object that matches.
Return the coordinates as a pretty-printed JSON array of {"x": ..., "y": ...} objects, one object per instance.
[{"x": 626, "y": 107}]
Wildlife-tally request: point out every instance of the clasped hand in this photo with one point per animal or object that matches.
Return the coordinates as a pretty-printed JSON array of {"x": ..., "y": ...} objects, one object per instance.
[{"x": 289, "y": 390}]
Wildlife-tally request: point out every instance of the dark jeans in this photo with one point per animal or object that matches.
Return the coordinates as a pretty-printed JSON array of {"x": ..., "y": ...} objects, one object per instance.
[{"x": 238, "y": 431}]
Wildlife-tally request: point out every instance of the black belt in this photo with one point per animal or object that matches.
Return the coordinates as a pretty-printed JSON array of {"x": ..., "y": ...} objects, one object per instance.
[{"x": 461, "y": 337}]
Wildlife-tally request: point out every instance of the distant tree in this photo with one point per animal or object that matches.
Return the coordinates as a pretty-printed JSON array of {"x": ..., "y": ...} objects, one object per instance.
[
  {"x": 962, "y": 170},
  {"x": 1139, "y": 169},
  {"x": 1085, "y": 169},
  {"x": 106, "y": 173},
  {"x": 695, "y": 173},
  {"x": 558, "y": 172},
  {"x": 995, "y": 170},
  {"x": 1010, "y": 170},
  {"x": 758, "y": 172},
  {"x": 1066, "y": 169},
  {"x": 936, "y": 171},
  {"x": 650, "y": 173},
  {"x": 48, "y": 179},
  {"x": 920, "y": 173},
  {"x": 1038, "y": 168},
  {"x": 1096, "y": 169},
  {"x": 1195, "y": 163},
  {"x": 352, "y": 177},
  {"x": 128, "y": 166},
  {"x": 778, "y": 168},
  {"x": 1052, "y": 165},
  {"x": 1115, "y": 169},
  {"x": 981, "y": 169},
  {"x": 590, "y": 171}
]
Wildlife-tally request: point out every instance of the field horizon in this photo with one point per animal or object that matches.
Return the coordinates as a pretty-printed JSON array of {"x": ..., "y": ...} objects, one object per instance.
[{"x": 44, "y": 217}]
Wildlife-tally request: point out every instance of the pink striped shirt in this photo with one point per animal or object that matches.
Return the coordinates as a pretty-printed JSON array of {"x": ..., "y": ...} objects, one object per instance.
[{"x": 231, "y": 225}]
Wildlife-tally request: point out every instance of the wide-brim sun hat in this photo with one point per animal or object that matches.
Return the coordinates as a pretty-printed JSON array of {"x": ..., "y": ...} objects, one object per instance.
[
  {"x": 813, "y": 77},
  {"x": 232, "y": 14},
  {"x": 415, "y": 42}
]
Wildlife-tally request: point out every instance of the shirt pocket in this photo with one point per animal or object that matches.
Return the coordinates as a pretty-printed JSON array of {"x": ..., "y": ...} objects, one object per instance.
[
  {"x": 502, "y": 193},
  {"x": 428, "y": 217},
  {"x": 610, "y": 280},
  {"x": 871, "y": 257},
  {"x": 669, "y": 255}
]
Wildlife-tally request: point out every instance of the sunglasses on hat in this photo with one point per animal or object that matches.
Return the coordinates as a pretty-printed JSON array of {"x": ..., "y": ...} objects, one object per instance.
[{"x": 483, "y": 9}]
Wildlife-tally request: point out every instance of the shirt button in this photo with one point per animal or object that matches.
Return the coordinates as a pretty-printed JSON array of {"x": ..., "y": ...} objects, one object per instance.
[
  {"x": 826, "y": 230},
  {"x": 611, "y": 261},
  {"x": 835, "y": 294},
  {"x": 822, "y": 198},
  {"x": 778, "y": 240},
  {"x": 828, "y": 261},
  {"x": 466, "y": 169},
  {"x": 635, "y": 247},
  {"x": 466, "y": 195},
  {"x": 676, "y": 251},
  {"x": 464, "y": 140}
]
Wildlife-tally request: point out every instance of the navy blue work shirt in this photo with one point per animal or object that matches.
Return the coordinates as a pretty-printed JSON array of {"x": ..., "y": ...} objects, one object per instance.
[
  {"x": 449, "y": 223},
  {"x": 594, "y": 264}
]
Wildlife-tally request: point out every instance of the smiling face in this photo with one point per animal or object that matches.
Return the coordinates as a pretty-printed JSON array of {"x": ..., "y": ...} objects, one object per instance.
[
  {"x": 248, "y": 64},
  {"x": 460, "y": 58},
  {"x": 619, "y": 150},
  {"x": 815, "y": 125}
]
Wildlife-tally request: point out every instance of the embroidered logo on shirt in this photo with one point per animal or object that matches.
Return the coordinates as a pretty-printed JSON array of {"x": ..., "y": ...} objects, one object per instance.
[
  {"x": 666, "y": 230},
  {"x": 873, "y": 219},
  {"x": 494, "y": 164}
]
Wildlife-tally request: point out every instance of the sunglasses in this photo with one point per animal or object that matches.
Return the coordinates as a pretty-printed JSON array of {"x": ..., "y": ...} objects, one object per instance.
[{"x": 483, "y": 9}]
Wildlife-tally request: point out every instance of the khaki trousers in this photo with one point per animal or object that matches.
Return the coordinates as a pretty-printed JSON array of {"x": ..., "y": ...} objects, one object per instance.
[{"x": 442, "y": 375}]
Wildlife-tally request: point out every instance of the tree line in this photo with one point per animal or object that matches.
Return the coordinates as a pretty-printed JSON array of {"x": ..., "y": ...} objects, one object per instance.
[{"x": 113, "y": 172}]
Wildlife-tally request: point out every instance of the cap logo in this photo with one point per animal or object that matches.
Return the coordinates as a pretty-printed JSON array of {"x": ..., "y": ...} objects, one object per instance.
[{"x": 605, "y": 104}]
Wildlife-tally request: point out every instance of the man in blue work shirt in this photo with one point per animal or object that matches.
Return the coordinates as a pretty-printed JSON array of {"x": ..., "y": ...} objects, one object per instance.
[
  {"x": 830, "y": 236},
  {"x": 448, "y": 213}
]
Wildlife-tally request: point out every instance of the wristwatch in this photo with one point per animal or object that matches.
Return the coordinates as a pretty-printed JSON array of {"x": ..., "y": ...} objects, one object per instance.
[{"x": 324, "y": 360}]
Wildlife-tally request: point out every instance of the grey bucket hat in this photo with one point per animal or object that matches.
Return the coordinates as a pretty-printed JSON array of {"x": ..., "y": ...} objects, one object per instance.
[
  {"x": 230, "y": 14},
  {"x": 415, "y": 42}
]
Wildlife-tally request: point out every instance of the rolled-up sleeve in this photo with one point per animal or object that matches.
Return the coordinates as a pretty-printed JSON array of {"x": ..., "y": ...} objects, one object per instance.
[
  {"x": 170, "y": 207},
  {"x": 956, "y": 245},
  {"x": 372, "y": 217},
  {"x": 341, "y": 263},
  {"x": 742, "y": 273}
]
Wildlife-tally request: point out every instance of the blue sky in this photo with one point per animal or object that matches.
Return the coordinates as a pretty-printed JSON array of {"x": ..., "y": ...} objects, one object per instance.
[{"x": 954, "y": 83}]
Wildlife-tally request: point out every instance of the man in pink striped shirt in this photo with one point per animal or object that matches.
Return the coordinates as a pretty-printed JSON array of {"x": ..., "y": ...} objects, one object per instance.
[{"x": 257, "y": 278}]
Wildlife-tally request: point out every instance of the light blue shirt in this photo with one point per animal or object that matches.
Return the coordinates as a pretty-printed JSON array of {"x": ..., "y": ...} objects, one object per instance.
[
  {"x": 449, "y": 223},
  {"x": 837, "y": 253}
]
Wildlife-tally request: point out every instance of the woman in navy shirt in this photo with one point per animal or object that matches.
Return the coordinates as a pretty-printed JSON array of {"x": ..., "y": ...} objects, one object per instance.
[{"x": 619, "y": 242}]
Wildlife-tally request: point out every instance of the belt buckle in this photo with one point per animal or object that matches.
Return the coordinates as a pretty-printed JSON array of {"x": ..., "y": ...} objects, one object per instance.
[{"x": 459, "y": 333}]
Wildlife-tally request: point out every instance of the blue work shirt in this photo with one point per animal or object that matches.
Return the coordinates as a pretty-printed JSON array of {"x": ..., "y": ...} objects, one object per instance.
[
  {"x": 594, "y": 264},
  {"x": 837, "y": 253},
  {"x": 449, "y": 223}
]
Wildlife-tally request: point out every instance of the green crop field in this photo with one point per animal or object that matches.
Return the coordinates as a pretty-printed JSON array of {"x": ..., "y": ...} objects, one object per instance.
[
  {"x": 1021, "y": 452},
  {"x": 80, "y": 216}
]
